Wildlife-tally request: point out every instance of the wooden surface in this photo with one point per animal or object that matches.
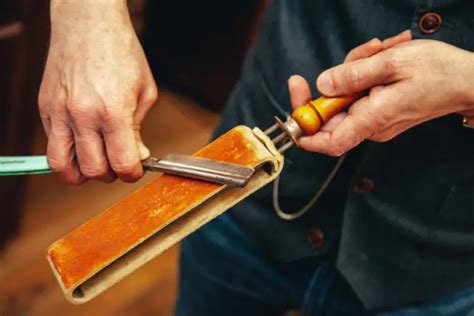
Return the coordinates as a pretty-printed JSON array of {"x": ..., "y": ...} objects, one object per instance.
[{"x": 52, "y": 208}]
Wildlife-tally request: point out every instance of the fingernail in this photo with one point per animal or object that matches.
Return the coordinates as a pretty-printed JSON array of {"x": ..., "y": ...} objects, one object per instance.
[
  {"x": 408, "y": 32},
  {"x": 376, "y": 43},
  {"x": 143, "y": 151},
  {"x": 291, "y": 78},
  {"x": 292, "y": 81},
  {"x": 325, "y": 84},
  {"x": 375, "y": 40}
]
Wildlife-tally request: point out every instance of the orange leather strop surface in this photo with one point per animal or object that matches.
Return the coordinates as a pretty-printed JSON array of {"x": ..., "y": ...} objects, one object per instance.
[{"x": 119, "y": 228}]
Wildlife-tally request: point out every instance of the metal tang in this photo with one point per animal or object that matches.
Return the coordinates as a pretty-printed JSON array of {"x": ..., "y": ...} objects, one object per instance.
[{"x": 201, "y": 169}]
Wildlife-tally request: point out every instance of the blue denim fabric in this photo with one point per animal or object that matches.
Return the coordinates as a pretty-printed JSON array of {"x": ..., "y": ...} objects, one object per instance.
[{"x": 224, "y": 272}]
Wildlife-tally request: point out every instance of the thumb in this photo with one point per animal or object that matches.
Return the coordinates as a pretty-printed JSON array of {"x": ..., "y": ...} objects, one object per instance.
[
  {"x": 145, "y": 102},
  {"x": 143, "y": 151},
  {"x": 356, "y": 76}
]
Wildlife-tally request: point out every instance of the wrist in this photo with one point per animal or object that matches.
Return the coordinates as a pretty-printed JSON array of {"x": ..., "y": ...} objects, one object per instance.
[
  {"x": 470, "y": 80},
  {"x": 467, "y": 100},
  {"x": 73, "y": 12},
  {"x": 467, "y": 80},
  {"x": 71, "y": 18},
  {"x": 86, "y": 6},
  {"x": 87, "y": 3}
]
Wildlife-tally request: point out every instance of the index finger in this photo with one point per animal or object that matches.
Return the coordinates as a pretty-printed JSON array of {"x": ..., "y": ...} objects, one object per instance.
[
  {"x": 397, "y": 39},
  {"x": 122, "y": 148},
  {"x": 375, "y": 46},
  {"x": 358, "y": 75},
  {"x": 365, "y": 50}
]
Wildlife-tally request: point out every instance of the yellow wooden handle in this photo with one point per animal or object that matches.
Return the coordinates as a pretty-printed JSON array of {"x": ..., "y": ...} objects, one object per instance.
[{"x": 316, "y": 113}]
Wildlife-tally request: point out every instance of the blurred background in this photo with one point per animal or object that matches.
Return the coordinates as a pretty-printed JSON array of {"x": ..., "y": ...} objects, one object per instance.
[{"x": 195, "y": 49}]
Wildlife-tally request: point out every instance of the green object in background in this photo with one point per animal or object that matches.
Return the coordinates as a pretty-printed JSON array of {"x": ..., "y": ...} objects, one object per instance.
[{"x": 20, "y": 165}]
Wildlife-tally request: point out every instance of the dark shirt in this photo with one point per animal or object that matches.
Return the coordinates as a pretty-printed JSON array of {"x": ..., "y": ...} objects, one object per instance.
[{"x": 399, "y": 216}]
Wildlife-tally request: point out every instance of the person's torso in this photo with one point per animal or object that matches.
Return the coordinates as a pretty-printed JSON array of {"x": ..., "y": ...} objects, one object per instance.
[{"x": 409, "y": 202}]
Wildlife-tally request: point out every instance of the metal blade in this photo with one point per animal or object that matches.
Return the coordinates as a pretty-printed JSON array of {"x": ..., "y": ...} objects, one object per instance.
[{"x": 201, "y": 169}]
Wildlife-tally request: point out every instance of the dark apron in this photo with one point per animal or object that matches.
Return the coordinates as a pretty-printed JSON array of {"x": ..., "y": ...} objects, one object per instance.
[{"x": 410, "y": 235}]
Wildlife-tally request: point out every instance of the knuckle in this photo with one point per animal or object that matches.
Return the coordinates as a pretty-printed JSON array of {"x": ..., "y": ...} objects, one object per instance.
[
  {"x": 107, "y": 112},
  {"x": 76, "y": 110},
  {"x": 337, "y": 149},
  {"x": 113, "y": 125},
  {"x": 390, "y": 63},
  {"x": 93, "y": 171},
  {"x": 50, "y": 106},
  {"x": 124, "y": 168},
  {"x": 56, "y": 164},
  {"x": 353, "y": 79},
  {"x": 333, "y": 76},
  {"x": 42, "y": 103},
  {"x": 336, "y": 152},
  {"x": 43, "y": 108},
  {"x": 381, "y": 138},
  {"x": 113, "y": 116},
  {"x": 377, "y": 113},
  {"x": 379, "y": 122}
]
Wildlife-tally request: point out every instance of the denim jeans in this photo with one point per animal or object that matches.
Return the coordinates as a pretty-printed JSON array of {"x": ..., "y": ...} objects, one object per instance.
[{"x": 224, "y": 272}]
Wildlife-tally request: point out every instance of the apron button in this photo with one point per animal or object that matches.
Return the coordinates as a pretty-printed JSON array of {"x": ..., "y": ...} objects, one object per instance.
[
  {"x": 429, "y": 23},
  {"x": 364, "y": 185},
  {"x": 316, "y": 237}
]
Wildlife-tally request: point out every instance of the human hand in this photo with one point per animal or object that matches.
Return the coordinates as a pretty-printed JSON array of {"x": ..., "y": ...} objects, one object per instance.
[
  {"x": 97, "y": 88},
  {"x": 409, "y": 82}
]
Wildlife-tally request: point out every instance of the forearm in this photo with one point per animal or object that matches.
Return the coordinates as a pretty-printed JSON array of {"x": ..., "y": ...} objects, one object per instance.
[
  {"x": 80, "y": 29},
  {"x": 74, "y": 8},
  {"x": 96, "y": 16}
]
